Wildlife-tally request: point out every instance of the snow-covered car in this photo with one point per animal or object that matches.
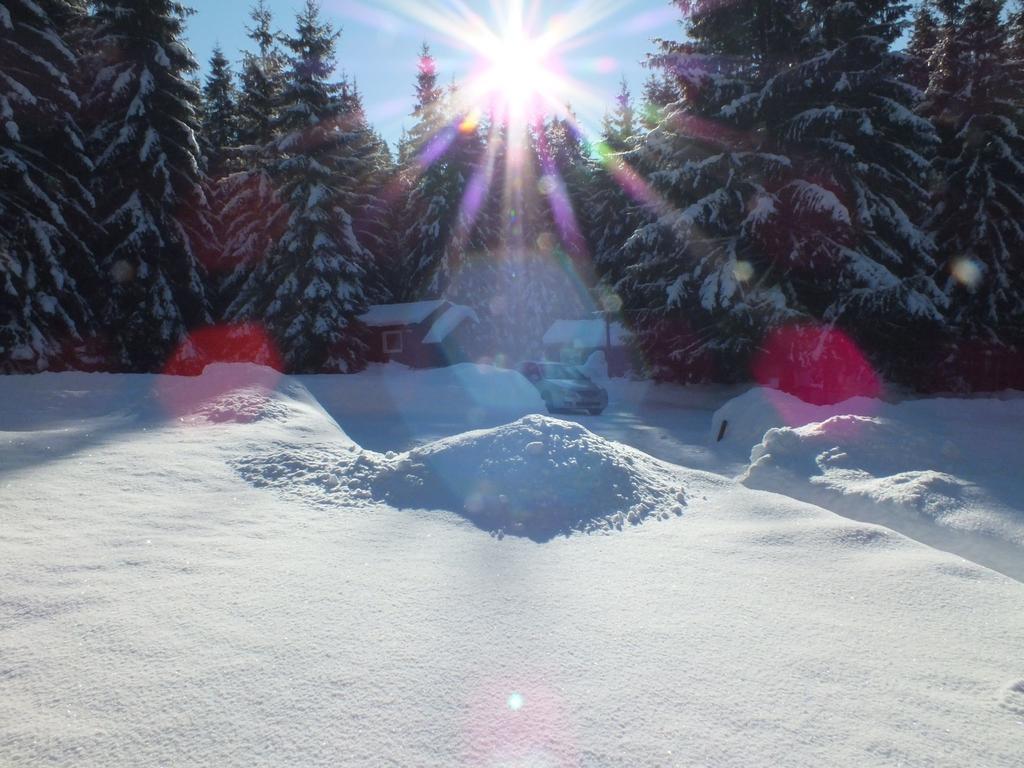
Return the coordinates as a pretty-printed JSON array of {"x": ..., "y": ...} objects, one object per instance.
[{"x": 565, "y": 388}]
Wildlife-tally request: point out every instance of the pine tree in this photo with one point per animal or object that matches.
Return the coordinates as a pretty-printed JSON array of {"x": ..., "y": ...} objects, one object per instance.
[
  {"x": 853, "y": 252},
  {"x": 696, "y": 283},
  {"x": 374, "y": 189},
  {"x": 47, "y": 271},
  {"x": 249, "y": 208},
  {"x": 1015, "y": 39},
  {"x": 439, "y": 157},
  {"x": 309, "y": 292},
  {"x": 921, "y": 46},
  {"x": 611, "y": 202},
  {"x": 619, "y": 128},
  {"x": 148, "y": 180},
  {"x": 659, "y": 93},
  {"x": 260, "y": 81},
  {"x": 220, "y": 118},
  {"x": 979, "y": 206},
  {"x": 549, "y": 273}
]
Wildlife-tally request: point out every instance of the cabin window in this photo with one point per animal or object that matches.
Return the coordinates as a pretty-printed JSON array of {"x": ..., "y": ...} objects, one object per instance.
[{"x": 392, "y": 342}]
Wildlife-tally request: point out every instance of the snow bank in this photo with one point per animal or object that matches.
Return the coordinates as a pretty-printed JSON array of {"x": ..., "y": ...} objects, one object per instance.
[
  {"x": 749, "y": 416},
  {"x": 455, "y": 389},
  {"x": 539, "y": 477},
  {"x": 947, "y": 472}
]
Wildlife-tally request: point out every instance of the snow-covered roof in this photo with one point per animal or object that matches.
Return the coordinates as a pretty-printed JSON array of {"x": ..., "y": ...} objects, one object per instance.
[
  {"x": 409, "y": 313},
  {"x": 448, "y": 322},
  {"x": 585, "y": 333}
]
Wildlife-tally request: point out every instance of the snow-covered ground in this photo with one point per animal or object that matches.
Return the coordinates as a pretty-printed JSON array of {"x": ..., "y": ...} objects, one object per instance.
[{"x": 252, "y": 570}]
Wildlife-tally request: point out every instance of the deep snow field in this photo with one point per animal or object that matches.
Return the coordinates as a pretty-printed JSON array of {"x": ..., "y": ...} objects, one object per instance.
[{"x": 410, "y": 568}]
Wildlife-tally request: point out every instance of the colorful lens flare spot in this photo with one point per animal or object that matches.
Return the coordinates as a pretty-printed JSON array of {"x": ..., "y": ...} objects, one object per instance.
[
  {"x": 516, "y": 701},
  {"x": 967, "y": 272}
]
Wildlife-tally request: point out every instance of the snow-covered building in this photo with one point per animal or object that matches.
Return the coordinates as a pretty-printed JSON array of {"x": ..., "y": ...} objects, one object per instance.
[
  {"x": 421, "y": 334},
  {"x": 573, "y": 341}
]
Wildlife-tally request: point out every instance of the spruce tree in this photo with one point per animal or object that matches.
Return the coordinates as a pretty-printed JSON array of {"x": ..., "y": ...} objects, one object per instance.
[
  {"x": 260, "y": 81},
  {"x": 696, "y": 282},
  {"x": 610, "y": 203},
  {"x": 853, "y": 252},
  {"x": 374, "y": 177},
  {"x": 220, "y": 118},
  {"x": 309, "y": 291},
  {"x": 249, "y": 209},
  {"x": 47, "y": 271},
  {"x": 979, "y": 204},
  {"x": 148, "y": 181},
  {"x": 439, "y": 157},
  {"x": 923, "y": 39},
  {"x": 548, "y": 271},
  {"x": 659, "y": 93}
]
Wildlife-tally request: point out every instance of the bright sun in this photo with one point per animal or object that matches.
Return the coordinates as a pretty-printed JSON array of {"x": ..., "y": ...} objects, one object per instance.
[{"x": 518, "y": 78}]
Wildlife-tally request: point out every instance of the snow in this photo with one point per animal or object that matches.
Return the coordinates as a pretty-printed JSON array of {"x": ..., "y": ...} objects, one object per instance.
[
  {"x": 946, "y": 472},
  {"x": 172, "y": 597},
  {"x": 585, "y": 333},
  {"x": 413, "y": 312},
  {"x": 446, "y": 324},
  {"x": 749, "y": 416}
]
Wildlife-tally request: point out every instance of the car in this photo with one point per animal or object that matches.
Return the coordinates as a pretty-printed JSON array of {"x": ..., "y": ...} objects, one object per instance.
[{"x": 565, "y": 388}]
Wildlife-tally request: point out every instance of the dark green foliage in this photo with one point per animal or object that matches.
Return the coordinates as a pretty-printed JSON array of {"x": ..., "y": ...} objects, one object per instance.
[
  {"x": 309, "y": 290},
  {"x": 47, "y": 271},
  {"x": 220, "y": 114},
  {"x": 979, "y": 200},
  {"x": 148, "y": 181}
]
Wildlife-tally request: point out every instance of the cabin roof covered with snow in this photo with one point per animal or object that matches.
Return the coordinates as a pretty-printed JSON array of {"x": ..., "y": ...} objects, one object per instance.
[
  {"x": 448, "y": 322},
  {"x": 409, "y": 313},
  {"x": 585, "y": 333},
  {"x": 417, "y": 312}
]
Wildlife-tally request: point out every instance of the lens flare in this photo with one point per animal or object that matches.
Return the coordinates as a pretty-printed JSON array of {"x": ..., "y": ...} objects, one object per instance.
[{"x": 967, "y": 272}]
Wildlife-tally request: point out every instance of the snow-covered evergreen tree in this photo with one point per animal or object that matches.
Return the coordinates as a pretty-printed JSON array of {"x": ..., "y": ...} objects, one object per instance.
[
  {"x": 220, "y": 117},
  {"x": 696, "y": 281},
  {"x": 310, "y": 290},
  {"x": 853, "y": 252},
  {"x": 659, "y": 93},
  {"x": 260, "y": 81},
  {"x": 979, "y": 205},
  {"x": 611, "y": 200},
  {"x": 547, "y": 268},
  {"x": 923, "y": 39},
  {"x": 47, "y": 271},
  {"x": 375, "y": 196},
  {"x": 148, "y": 181},
  {"x": 439, "y": 158},
  {"x": 249, "y": 208}
]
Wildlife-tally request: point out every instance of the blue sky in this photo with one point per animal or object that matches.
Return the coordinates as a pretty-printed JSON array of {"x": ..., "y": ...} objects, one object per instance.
[{"x": 381, "y": 38}]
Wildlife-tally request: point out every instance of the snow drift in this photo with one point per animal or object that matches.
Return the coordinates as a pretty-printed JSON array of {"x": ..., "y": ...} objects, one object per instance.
[
  {"x": 749, "y": 416},
  {"x": 943, "y": 471},
  {"x": 538, "y": 477}
]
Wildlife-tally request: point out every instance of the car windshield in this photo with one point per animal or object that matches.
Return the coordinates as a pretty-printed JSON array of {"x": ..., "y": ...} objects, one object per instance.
[{"x": 562, "y": 372}]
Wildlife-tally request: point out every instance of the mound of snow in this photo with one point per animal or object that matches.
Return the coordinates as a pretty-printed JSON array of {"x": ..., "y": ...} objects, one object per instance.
[
  {"x": 748, "y": 417},
  {"x": 538, "y": 477},
  {"x": 947, "y": 472}
]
